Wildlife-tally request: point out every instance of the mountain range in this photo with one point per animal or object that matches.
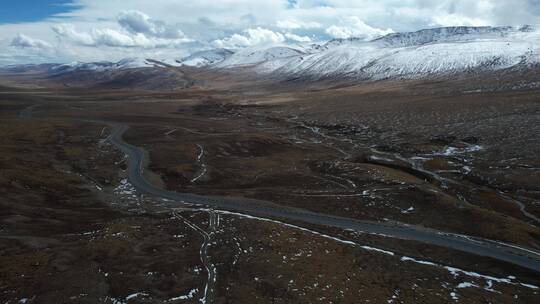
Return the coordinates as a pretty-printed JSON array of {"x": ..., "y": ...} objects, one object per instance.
[{"x": 421, "y": 54}]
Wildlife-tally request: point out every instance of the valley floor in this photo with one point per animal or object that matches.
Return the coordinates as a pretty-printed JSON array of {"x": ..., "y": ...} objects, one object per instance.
[{"x": 74, "y": 230}]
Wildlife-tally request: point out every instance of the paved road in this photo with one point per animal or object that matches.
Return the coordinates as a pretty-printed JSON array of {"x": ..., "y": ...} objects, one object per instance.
[{"x": 518, "y": 256}]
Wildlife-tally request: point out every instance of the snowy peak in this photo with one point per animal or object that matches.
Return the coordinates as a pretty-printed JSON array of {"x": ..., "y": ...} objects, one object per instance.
[
  {"x": 80, "y": 66},
  {"x": 103, "y": 66},
  {"x": 132, "y": 63},
  {"x": 424, "y": 53},
  {"x": 99, "y": 66},
  {"x": 205, "y": 58},
  {"x": 342, "y": 41},
  {"x": 434, "y": 35},
  {"x": 449, "y": 34},
  {"x": 421, "y": 54},
  {"x": 253, "y": 56}
]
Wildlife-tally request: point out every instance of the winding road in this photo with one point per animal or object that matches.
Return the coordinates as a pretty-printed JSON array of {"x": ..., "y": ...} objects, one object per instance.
[{"x": 519, "y": 256}]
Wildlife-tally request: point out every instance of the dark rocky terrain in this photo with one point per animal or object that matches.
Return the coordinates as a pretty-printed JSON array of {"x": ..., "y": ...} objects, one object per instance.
[{"x": 426, "y": 153}]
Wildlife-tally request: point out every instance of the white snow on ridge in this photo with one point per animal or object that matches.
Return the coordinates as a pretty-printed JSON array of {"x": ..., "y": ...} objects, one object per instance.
[
  {"x": 401, "y": 55},
  {"x": 131, "y": 63},
  {"x": 103, "y": 66},
  {"x": 127, "y": 63},
  {"x": 418, "y": 54},
  {"x": 451, "y": 57},
  {"x": 257, "y": 55},
  {"x": 205, "y": 58},
  {"x": 73, "y": 66},
  {"x": 344, "y": 59},
  {"x": 375, "y": 62},
  {"x": 451, "y": 34}
]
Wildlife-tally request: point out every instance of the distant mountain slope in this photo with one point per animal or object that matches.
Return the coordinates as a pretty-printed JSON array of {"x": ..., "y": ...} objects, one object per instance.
[
  {"x": 103, "y": 66},
  {"x": 450, "y": 34},
  {"x": 206, "y": 58},
  {"x": 252, "y": 56},
  {"x": 371, "y": 62},
  {"x": 131, "y": 73},
  {"x": 412, "y": 55},
  {"x": 428, "y": 53}
]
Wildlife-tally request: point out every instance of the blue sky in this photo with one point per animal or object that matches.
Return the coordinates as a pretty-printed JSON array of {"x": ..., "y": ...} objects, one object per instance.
[
  {"x": 17, "y": 11},
  {"x": 88, "y": 30}
]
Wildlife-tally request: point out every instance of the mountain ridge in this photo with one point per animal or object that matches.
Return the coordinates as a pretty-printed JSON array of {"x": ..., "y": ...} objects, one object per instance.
[{"x": 420, "y": 54}]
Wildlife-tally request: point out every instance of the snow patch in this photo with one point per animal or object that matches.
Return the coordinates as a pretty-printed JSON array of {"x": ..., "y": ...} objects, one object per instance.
[
  {"x": 135, "y": 295},
  {"x": 187, "y": 296},
  {"x": 125, "y": 189},
  {"x": 466, "y": 285}
]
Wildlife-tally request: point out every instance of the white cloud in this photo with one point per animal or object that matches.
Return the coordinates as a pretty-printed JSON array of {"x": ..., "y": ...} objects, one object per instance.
[
  {"x": 69, "y": 32},
  {"x": 140, "y": 23},
  {"x": 250, "y": 37},
  {"x": 114, "y": 38},
  {"x": 24, "y": 41},
  {"x": 256, "y": 37},
  {"x": 295, "y": 24},
  {"x": 297, "y": 38},
  {"x": 355, "y": 27},
  {"x": 110, "y": 37},
  {"x": 25, "y": 49}
]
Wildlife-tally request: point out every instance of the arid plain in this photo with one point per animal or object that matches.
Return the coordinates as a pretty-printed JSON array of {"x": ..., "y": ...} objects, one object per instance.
[{"x": 426, "y": 154}]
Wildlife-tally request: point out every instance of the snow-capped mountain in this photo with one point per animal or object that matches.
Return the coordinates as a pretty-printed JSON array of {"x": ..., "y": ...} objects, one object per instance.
[
  {"x": 258, "y": 55},
  {"x": 417, "y": 54},
  {"x": 100, "y": 66},
  {"x": 451, "y": 34},
  {"x": 205, "y": 58},
  {"x": 424, "y": 53},
  {"x": 104, "y": 66}
]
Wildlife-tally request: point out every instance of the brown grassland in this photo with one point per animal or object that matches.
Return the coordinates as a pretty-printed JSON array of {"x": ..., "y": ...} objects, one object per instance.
[{"x": 388, "y": 151}]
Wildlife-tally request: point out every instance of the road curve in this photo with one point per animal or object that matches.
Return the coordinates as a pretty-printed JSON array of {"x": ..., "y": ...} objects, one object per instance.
[{"x": 519, "y": 256}]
